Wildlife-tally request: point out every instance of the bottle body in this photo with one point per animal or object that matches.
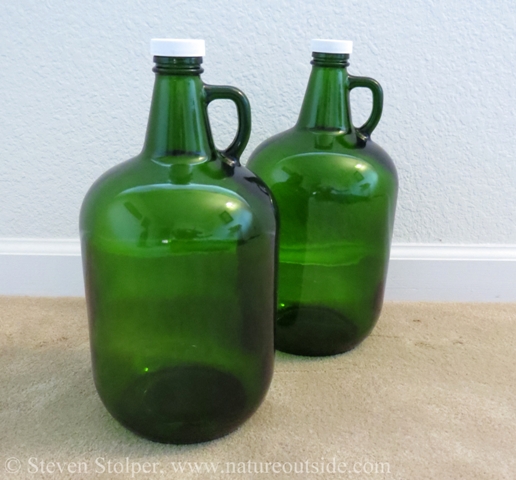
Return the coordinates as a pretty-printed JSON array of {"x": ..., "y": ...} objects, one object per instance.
[
  {"x": 336, "y": 195},
  {"x": 178, "y": 254}
]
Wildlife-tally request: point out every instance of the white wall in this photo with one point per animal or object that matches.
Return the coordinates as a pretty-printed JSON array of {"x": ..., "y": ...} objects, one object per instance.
[{"x": 76, "y": 80}]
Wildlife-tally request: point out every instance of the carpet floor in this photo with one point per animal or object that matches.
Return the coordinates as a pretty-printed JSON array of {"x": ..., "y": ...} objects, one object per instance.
[{"x": 431, "y": 394}]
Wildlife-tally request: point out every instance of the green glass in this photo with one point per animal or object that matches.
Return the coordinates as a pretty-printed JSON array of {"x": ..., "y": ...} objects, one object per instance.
[
  {"x": 179, "y": 248},
  {"x": 336, "y": 191}
]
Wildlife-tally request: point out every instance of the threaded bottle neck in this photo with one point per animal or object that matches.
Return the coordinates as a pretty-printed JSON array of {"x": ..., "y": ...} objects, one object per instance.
[
  {"x": 335, "y": 60},
  {"x": 178, "y": 65}
]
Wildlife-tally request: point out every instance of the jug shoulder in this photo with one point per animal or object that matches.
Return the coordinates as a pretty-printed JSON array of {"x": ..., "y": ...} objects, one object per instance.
[
  {"x": 162, "y": 205},
  {"x": 319, "y": 155}
]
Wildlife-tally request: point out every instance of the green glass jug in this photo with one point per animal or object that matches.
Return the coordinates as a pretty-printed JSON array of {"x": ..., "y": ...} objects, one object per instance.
[
  {"x": 336, "y": 191},
  {"x": 179, "y": 248}
]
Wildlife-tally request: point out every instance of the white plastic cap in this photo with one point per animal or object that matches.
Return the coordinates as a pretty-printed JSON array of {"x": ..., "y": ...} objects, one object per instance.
[
  {"x": 332, "y": 46},
  {"x": 171, "y": 47}
]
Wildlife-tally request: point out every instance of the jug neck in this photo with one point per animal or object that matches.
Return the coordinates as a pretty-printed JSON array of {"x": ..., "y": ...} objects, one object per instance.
[
  {"x": 326, "y": 102},
  {"x": 178, "y": 128}
]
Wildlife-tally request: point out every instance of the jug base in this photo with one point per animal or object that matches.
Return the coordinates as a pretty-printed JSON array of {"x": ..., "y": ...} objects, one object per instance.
[
  {"x": 315, "y": 331},
  {"x": 184, "y": 404}
]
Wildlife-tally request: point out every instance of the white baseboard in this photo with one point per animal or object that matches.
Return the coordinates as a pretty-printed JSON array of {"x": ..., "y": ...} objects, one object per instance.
[
  {"x": 431, "y": 272},
  {"x": 452, "y": 273},
  {"x": 41, "y": 267}
]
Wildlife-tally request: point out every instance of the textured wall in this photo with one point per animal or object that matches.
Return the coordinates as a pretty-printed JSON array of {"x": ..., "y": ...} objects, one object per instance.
[{"x": 76, "y": 80}]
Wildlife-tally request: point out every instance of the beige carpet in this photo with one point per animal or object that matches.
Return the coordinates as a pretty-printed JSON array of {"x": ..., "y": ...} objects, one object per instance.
[{"x": 430, "y": 395}]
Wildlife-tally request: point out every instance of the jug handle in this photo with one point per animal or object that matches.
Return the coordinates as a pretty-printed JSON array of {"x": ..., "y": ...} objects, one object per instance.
[
  {"x": 376, "y": 89},
  {"x": 237, "y": 146}
]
